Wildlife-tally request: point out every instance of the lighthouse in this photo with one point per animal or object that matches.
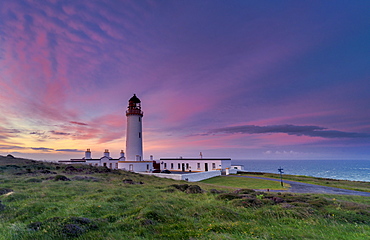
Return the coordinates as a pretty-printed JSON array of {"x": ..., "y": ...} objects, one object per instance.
[{"x": 134, "y": 134}]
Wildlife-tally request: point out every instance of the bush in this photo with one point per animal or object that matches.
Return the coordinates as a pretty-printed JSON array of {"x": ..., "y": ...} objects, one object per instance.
[
  {"x": 5, "y": 191},
  {"x": 33, "y": 180},
  {"x": 130, "y": 181},
  {"x": 319, "y": 202},
  {"x": 61, "y": 178},
  {"x": 2, "y": 206},
  {"x": 72, "y": 230},
  {"x": 181, "y": 187},
  {"x": 85, "y": 178},
  {"x": 215, "y": 191},
  {"x": 228, "y": 196},
  {"x": 115, "y": 199},
  {"x": 68, "y": 226},
  {"x": 245, "y": 191},
  {"x": 194, "y": 189}
]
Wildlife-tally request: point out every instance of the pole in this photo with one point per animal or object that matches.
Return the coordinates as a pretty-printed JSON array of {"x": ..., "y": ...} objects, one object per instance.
[{"x": 281, "y": 176}]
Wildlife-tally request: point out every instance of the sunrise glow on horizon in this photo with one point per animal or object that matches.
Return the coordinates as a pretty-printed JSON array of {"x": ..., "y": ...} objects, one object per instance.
[{"x": 238, "y": 79}]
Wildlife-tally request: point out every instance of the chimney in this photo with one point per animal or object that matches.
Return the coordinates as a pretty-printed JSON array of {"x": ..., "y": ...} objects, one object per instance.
[
  {"x": 122, "y": 155},
  {"x": 106, "y": 153},
  {"x": 88, "y": 154}
]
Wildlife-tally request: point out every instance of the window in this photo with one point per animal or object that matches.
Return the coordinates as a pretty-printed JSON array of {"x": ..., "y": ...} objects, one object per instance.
[
  {"x": 187, "y": 166},
  {"x": 178, "y": 166},
  {"x": 147, "y": 167},
  {"x": 117, "y": 165},
  {"x": 198, "y": 165},
  {"x": 139, "y": 134},
  {"x": 165, "y": 165},
  {"x": 105, "y": 164},
  {"x": 213, "y": 165},
  {"x": 110, "y": 165},
  {"x": 171, "y": 165}
]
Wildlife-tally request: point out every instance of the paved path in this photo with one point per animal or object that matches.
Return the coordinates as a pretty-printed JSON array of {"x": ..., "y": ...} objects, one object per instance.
[{"x": 298, "y": 187}]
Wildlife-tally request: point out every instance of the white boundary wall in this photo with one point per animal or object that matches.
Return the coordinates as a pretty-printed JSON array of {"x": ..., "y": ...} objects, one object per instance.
[{"x": 191, "y": 177}]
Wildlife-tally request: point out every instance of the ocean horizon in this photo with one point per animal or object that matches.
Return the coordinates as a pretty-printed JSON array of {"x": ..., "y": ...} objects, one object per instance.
[{"x": 354, "y": 170}]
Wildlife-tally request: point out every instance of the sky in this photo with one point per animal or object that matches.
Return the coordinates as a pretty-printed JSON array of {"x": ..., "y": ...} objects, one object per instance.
[{"x": 238, "y": 79}]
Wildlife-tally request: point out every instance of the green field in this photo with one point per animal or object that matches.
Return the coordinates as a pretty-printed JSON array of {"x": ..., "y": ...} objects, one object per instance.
[
  {"x": 238, "y": 182},
  {"x": 97, "y": 203},
  {"x": 351, "y": 185}
]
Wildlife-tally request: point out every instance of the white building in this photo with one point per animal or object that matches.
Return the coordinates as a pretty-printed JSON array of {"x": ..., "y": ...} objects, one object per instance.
[
  {"x": 134, "y": 145},
  {"x": 195, "y": 164}
]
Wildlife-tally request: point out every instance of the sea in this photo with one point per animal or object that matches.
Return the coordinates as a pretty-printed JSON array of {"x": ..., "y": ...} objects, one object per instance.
[{"x": 354, "y": 170}]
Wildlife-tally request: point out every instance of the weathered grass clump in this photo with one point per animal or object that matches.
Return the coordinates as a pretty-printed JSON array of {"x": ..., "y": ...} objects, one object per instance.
[
  {"x": 188, "y": 188},
  {"x": 61, "y": 178},
  {"x": 68, "y": 227},
  {"x": 5, "y": 191}
]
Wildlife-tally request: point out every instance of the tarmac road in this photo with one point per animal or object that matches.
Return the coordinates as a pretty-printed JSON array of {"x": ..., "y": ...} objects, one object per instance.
[{"x": 298, "y": 187}]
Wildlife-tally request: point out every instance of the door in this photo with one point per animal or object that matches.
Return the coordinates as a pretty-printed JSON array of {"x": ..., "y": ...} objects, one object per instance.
[
  {"x": 206, "y": 167},
  {"x": 183, "y": 167}
]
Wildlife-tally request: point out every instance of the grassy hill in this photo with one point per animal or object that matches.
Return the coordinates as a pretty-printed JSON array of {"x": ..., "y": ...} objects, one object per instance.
[{"x": 50, "y": 201}]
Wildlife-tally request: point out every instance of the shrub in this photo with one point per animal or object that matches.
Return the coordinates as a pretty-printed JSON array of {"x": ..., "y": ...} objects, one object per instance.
[
  {"x": 245, "y": 191},
  {"x": 153, "y": 216},
  {"x": 68, "y": 226},
  {"x": 194, "y": 189},
  {"x": 45, "y": 171},
  {"x": 115, "y": 199},
  {"x": 2, "y": 206},
  {"x": 319, "y": 202},
  {"x": 228, "y": 196},
  {"x": 72, "y": 230},
  {"x": 215, "y": 191},
  {"x": 33, "y": 180},
  {"x": 111, "y": 218},
  {"x": 5, "y": 191},
  {"x": 71, "y": 168},
  {"x": 61, "y": 178},
  {"x": 85, "y": 178},
  {"x": 181, "y": 187},
  {"x": 130, "y": 181}
]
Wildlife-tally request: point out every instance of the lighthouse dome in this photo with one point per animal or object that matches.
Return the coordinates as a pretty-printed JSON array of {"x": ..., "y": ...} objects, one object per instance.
[{"x": 134, "y": 99}]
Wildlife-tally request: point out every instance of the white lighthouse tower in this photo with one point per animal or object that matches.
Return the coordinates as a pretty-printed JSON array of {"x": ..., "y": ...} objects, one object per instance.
[{"x": 134, "y": 134}]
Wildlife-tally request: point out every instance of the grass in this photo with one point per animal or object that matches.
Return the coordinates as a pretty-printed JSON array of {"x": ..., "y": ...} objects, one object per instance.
[
  {"x": 345, "y": 184},
  {"x": 97, "y": 204},
  {"x": 237, "y": 182}
]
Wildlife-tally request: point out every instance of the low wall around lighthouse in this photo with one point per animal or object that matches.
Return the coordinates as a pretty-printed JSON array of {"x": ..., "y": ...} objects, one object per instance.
[{"x": 190, "y": 177}]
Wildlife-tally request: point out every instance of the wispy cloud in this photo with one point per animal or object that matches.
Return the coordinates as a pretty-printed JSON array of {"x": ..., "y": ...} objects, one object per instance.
[
  {"x": 311, "y": 131},
  {"x": 68, "y": 150},
  {"x": 78, "y": 123},
  {"x": 2, "y": 146},
  {"x": 43, "y": 149},
  {"x": 60, "y": 133}
]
